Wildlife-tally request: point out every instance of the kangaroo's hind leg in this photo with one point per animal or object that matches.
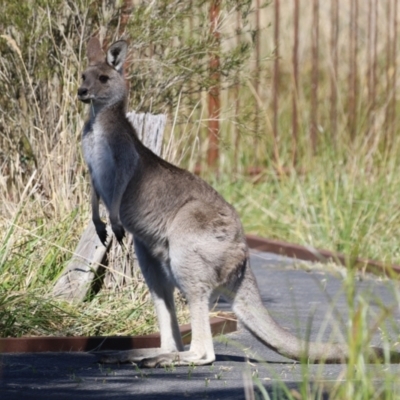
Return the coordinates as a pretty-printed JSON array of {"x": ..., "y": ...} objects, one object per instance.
[
  {"x": 162, "y": 292},
  {"x": 191, "y": 273},
  {"x": 201, "y": 350}
]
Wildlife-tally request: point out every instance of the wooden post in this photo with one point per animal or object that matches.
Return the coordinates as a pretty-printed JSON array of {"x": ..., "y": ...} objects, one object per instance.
[{"x": 214, "y": 102}]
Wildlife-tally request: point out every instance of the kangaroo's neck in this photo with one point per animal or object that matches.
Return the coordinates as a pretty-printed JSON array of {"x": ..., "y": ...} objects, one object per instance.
[
  {"x": 97, "y": 112},
  {"x": 117, "y": 108}
]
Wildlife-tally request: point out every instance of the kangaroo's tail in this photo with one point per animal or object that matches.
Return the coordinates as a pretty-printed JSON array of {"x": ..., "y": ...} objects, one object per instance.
[{"x": 248, "y": 306}]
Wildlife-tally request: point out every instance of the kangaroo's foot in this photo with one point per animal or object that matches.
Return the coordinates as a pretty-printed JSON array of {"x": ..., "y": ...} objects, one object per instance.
[
  {"x": 128, "y": 356},
  {"x": 153, "y": 358}
]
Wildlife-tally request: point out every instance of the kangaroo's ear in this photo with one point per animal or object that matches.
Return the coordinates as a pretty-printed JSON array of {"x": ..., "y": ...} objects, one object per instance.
[
  {"x": 116, "y": 54},
  {"x": 94, "y": 52}
]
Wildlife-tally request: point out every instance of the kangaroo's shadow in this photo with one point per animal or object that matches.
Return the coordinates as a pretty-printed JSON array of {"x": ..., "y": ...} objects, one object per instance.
[{"x": 240, "y": 359}]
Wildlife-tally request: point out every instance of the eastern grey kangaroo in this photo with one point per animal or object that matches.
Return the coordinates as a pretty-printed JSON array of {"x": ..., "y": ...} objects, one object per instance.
[{"x": 185, "y": 234}]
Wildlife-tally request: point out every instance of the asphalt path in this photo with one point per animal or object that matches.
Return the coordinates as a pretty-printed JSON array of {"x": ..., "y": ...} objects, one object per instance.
[{"x": 311, "y": 303}]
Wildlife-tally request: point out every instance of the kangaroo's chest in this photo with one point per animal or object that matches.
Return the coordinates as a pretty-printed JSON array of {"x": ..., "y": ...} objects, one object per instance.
[{"x": 101, "y": 162}]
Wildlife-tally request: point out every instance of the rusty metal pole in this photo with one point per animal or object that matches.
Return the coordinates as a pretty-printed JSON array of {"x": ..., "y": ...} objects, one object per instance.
[
  {"x": 275, "y": 87},
  {"x": 391, "y": 44},
  {"x": 374, "y": 75},
  {"x": 394, "y": 65},
  {"x": 372, "y": 40},
  {"x": 353, "y": 86},
  {"x": 126, "y": 11},
  {"x": 335, "y": 63},
  {"x": 388, "y": 80},
  {"x": 314, "y": 76},
  {"x": 237, "y": 98},
  {"x": 370, "y": 68},
  {"x": 214, "y": 102},
  {"x": 257, "y": 83},
  {"x": 295, "y": 60}
]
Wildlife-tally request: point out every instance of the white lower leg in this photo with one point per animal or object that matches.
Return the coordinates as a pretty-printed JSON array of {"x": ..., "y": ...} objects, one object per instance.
[
  {"x": 202, "y": 343},
  {"x": 171, "y": 339}
]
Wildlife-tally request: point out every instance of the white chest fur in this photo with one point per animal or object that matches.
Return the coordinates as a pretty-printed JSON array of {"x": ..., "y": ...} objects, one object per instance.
[{"x": 100, "y": 160}]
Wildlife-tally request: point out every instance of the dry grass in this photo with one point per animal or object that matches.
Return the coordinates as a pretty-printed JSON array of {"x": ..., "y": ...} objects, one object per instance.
[{"x": 343, "y": 198}]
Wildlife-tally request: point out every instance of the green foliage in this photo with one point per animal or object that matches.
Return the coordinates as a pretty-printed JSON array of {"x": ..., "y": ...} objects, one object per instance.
[
  {"x": 42, "y": 52},
  {"x": 328, "y": 207},
  {"x": 172, "y": 43}
]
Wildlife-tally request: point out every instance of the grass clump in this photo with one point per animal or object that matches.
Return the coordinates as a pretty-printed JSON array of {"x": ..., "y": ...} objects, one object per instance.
[
  {"x": 35, "y": 313},
  {"x": 336, "y": 205}
]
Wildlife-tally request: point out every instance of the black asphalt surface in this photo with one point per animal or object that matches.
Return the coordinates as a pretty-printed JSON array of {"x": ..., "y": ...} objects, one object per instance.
[{"x": 311, "y": 304}]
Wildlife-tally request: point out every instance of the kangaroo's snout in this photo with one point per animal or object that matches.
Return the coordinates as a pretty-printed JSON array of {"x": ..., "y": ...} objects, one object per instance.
[
  {"x": 82, "y": 95},
  {"x": 82, "y": 92}
]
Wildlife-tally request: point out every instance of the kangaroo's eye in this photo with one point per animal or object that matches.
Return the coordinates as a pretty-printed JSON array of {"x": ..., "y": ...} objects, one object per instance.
[
  {"x": 103, "y": 78},
  {"x": 83, "y": 77}
]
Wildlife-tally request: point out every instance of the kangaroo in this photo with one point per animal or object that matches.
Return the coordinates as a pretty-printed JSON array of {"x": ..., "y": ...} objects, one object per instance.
[{"x": 186, "y": 235}]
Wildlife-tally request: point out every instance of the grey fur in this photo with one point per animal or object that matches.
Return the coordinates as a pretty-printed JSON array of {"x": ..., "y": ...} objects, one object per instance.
[{"x": 186, "y": 235}]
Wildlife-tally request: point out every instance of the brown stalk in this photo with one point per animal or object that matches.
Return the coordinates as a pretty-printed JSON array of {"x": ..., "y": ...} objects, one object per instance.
[
  {"x": 314, "y": 76},
  {"x": 295, "y": 93},
  {"x": 214, "y": 102}
]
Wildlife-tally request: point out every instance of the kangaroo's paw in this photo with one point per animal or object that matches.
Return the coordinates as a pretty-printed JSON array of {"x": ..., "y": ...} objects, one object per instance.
[
  {"x": 175, "y": 359},
  {"x": 101, "y": 231},
  {"x": 128, "y": 356},
  {"x": 119, "y": 232}
]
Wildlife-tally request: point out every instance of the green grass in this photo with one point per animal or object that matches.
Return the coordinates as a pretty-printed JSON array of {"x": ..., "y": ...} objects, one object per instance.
[
  {"x": 332, "y": 207},
  {"x": 31, "y": 262}
]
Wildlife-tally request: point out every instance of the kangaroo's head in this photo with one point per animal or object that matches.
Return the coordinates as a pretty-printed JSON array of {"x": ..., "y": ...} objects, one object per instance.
[{"x": 103, "y": 83}]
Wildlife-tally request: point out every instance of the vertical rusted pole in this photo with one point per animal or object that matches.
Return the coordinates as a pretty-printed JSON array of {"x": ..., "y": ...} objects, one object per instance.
[
  {"x": 355, "y": 59},
  {"x": 237, "y": 97},
  {"x": 295, "y": 61},
  {"x": 353, "y": 87},
  {"x": 314, "y": 77},
  {"x": 388, "y": 67},
  {"x": 374, "y": 62},
  {"x": 275, "y": 85},
  {"x": 369, "y": 49},
  {"x": 334, "y": 73},
  {"x": 257, "y": 81},
  {"x": 126, "y": 11},
  {"x": 191, "y": 23},
  {"x": 394, "y": 62},
  {"x": 370, "y": 61},
  {"x": 214, "y": 103},
  {"x": 391, "y": 67}
]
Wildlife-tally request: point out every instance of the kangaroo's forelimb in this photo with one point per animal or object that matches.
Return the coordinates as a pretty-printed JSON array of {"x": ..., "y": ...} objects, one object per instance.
[{"x": 97, "y": 221}]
